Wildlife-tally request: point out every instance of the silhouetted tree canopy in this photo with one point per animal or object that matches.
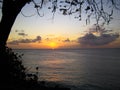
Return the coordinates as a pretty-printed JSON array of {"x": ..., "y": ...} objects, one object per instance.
[
  {"x": 11, "y": 65},
  {"x": 98, "y": 9},
  {"x": 14, "y": 76}
]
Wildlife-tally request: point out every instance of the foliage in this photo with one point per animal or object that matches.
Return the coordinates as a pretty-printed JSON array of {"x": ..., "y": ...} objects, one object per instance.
[
  {"x": 100, "y": 10},
  {"x": 14, "y": 75},
  {"x": 97, "y": 9}
]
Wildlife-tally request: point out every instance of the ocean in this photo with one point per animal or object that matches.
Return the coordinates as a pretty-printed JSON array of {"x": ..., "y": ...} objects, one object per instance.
[{"x": 79, "y": 69}]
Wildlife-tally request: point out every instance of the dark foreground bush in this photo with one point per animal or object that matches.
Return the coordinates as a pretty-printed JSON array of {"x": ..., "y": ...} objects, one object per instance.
[{"x": 13, "y": 74}]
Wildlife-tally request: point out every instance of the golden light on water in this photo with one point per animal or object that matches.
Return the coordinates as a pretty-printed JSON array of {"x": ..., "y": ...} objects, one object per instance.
[{"x": 54, "y": 65}]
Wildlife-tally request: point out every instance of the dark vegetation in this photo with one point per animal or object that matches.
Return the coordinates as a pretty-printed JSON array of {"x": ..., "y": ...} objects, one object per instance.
[
  {"x": 14, "y": 75},
  {"x": 97, "y": 9}
]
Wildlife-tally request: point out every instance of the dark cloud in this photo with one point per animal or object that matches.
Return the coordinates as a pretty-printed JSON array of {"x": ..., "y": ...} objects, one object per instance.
[
  {"x": 16, "y": 42},
  {"x": 19, "y": 30},
  {"x": 38, "y": 38},
  {"x": 47, "y": 39},
  {"x": 99, "y": 29},
  {"x": 91, "y": 39},
  {"x": 103, "y": 36},
  {"x": 67, "y": 40},
  {"x": 22, "y": 34}
]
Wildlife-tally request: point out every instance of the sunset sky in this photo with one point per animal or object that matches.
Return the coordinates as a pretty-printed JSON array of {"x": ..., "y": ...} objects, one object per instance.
[{"x": 37, "y": 32}]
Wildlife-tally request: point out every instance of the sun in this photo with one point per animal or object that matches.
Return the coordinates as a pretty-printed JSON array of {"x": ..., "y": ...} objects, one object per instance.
[{"x": 53, "y": 45}]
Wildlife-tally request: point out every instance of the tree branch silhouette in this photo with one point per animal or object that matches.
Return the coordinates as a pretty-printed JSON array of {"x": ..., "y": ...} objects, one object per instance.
[
  {"x": 27, "y": 15},
  {"x": 93, "y": 8}
]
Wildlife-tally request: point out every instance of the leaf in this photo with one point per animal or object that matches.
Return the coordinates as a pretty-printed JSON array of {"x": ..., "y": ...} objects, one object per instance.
[{"x": 88, "y": 8}]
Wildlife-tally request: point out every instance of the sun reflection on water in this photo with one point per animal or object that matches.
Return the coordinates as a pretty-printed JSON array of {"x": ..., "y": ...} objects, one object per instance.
[{"x": 53, "y": 69}]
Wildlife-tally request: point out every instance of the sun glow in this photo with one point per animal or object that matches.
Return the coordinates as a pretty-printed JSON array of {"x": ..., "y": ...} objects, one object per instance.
[{"x": 53, "y": 45}]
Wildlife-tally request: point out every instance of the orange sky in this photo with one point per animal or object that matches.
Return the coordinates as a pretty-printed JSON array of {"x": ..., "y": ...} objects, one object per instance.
[{"x": 60, "y": 32}]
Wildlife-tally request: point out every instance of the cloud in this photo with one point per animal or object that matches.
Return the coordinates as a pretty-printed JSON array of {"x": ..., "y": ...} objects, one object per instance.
[
  {"x": 47, "y": 39},
  {"x": 38, "y": 38},
  {"x": 16, "y": 42},
  {"x": 98, "y": 35},
  {"x": 98, "y": 29},
  {"x": 22, "y": 34},
  {"x": 92, "y": 40},
  {"x": 50, "y": 35},
  {"x": 67, "y": 40}
]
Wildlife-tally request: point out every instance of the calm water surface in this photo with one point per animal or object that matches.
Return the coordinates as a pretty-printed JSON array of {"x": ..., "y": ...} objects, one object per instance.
[{"x": 83, "y": 69}]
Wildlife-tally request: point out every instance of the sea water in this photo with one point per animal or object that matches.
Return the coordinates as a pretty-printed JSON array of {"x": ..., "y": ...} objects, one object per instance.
[{"x": 80, "y": 69}]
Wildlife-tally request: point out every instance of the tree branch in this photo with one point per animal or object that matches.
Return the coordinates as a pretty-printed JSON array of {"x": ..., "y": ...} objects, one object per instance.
[
  {"x": 1, "y": 1},
  {"x": 27, "y": 15}
]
